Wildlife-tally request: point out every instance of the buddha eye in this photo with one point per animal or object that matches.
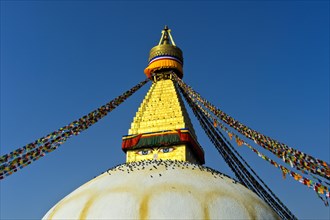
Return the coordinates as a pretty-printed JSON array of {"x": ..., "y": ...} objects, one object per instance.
[
  {"x": 144, "y": 152},
  {"x": 166, "y": 149}
]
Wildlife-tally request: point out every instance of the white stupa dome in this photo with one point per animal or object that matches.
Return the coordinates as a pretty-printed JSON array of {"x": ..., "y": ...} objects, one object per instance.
[{"x": 158, "y": 189}]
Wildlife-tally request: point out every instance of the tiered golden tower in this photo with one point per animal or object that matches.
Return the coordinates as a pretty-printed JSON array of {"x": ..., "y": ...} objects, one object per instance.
[{"x": 162, "y": 128}]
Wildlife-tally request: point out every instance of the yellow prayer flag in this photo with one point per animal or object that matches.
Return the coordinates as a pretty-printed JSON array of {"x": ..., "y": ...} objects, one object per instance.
[{"x": 239, "y": 142}]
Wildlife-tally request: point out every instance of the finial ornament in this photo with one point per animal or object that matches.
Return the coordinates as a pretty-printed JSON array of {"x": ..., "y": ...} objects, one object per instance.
[
  {"x": 166, "y": 35},
  {"x": 165, "y": 56}
]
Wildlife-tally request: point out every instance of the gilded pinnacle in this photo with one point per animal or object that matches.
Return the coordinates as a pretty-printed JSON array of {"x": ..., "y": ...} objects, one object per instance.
[
  {"x": 166, "y": 37},
  {"x": 165, "y": 56}
]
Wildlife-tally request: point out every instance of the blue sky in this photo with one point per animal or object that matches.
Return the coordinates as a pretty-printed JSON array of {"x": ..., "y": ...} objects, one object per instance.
[{"x": 266, "y": 63}]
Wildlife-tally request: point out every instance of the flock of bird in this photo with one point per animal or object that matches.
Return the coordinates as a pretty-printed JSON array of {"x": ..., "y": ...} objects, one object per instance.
[{"x": 152, "y": 165}]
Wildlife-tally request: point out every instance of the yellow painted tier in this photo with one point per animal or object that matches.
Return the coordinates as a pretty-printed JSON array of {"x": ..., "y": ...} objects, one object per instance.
[{"x": 162, "y": 109}]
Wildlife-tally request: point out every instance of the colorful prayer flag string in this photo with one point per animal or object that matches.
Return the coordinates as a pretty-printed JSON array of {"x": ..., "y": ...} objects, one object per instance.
[
  {"x": 321, "y": 188},
  {"x": 12, "y": 162},
  {"x": 317, "y": 187},
  {"x": 231, "y": 157},
  {"x": 291, "y": 156}
]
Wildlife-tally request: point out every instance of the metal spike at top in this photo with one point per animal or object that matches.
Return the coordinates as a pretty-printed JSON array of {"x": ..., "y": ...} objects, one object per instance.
[{"x": 166, "y": 35}]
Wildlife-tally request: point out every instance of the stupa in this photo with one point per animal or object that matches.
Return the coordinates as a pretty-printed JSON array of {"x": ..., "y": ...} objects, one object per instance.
[{"x": 164, "y": 176}]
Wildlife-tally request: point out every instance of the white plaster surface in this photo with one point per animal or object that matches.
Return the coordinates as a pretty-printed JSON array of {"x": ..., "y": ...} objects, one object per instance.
[{"x": 161, "y": 190}]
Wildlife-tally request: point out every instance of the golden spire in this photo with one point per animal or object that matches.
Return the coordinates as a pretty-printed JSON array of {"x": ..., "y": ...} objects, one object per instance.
[{"x": 162, "y": 128}]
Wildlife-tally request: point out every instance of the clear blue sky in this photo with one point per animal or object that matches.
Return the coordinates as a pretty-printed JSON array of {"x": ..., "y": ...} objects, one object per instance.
[{"x": 264, "y": 63}]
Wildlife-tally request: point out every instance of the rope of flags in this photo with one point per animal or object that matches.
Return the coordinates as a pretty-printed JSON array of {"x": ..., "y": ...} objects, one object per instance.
[
  {"x": 230, "y": 155},
  {"x": 318, "y": 186},
  {"x": 21, "y": 157},
  {"x": 293, "y": 157}
]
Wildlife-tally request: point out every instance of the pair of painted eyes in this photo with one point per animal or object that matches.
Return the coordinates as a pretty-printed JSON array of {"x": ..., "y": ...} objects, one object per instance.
[{"x": 162, "y": 150}]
